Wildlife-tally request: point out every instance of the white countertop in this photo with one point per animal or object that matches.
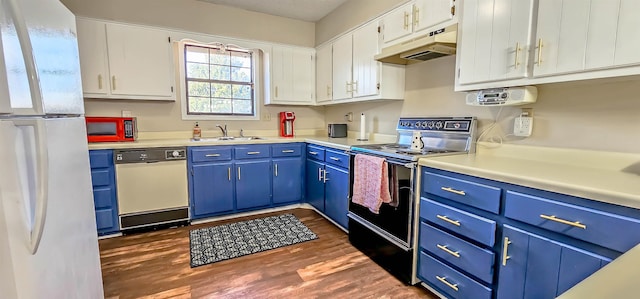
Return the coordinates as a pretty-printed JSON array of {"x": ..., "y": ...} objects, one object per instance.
[{"x": 601, "y": 176}]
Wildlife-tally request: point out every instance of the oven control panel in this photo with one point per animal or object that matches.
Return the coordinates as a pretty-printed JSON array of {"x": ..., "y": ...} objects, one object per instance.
[{"x": 445, "y": 124}]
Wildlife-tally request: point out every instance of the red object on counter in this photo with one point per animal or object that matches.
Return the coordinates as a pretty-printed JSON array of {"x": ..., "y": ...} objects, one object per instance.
[
  {"x": 286, "y": 123},
  {"x": 110, "y": 129}
]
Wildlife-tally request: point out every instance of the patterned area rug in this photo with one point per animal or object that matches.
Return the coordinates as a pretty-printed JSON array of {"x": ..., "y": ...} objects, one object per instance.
[{"x": 227, "y": 241}]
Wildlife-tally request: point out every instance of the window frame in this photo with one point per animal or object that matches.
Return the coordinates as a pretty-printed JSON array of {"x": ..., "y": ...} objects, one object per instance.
[{"x": 255, "y": 74}]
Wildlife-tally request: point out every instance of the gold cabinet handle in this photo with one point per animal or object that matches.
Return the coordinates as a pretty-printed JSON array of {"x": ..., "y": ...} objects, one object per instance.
[
  {"x": 505, "y": 247},
  {"x": 212, "y": 155},
  {"x": 253, "y": 153},
  {"x": 444, "y": 280},
  {"x": 406, "y": 21},
  {"x": 567, "y": 222},
  {"x": 113, "y": 82},
  {"x": 99, "y": 81},
  {"x": 313, "y": 153},
  {"x": 288, "y": 151},
  {"x": 229, "y": 174},
  {"x": 540, "y": 45},
  {"x": 334, "y": 158},
  {"x": 320, "y": 174},
  {"x": 324, "y": 177},
  {"x": 356, "y": 85},
  {"x": 416, "y": 16},
  {"x": 238, "y": 173},
  {"x": 347, "y": 84},
  {"x": 517, "y": 62},
  {"x": 276, "y": 91},
  {"x": 449, "y": 189},
  {"x": 328, "y": 90},
  {"x": 446, "y": 219},
  {"x": 449, "y": 251},
  {"x": 276, "y": 169}
]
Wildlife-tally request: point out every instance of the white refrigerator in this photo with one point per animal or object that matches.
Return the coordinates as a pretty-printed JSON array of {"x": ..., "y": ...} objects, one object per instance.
[{"x": 48, "y": 237}]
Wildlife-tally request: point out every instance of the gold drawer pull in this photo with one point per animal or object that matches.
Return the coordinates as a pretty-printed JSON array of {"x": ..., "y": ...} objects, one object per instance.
[
  {"x": 447, "y": 250},
  {"x": 446, "y": 219},
  {"x": 252, "y": 153},
  {"x": 567, "y": 222},
  {"x": 444, "y": 280},
  {"x": 212, "y": 155},
  {"x": 449, "y": 189},
  {"x": 505, "y": 247},
  {"x": 334, "y": 158},
  {"x": 313, "y": 153},
  {"x": 288, "y": 151}
]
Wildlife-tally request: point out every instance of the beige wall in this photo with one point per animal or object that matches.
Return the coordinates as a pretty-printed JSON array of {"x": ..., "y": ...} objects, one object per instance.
[
  {"x": 198, "y": 16},
  {"x": 349, "y": 15},
  {"x": 597, "y": 114}
]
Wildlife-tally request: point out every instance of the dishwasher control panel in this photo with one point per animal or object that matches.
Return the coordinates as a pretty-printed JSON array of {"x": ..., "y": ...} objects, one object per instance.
[{"x": 150, "y": 155}]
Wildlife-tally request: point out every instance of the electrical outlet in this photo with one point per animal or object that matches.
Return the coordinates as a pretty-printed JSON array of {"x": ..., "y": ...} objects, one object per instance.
[
  {"x": 266, "y": 116},
  {"x": 126, "y": 113},
  {"x": 523, "y": 126}
]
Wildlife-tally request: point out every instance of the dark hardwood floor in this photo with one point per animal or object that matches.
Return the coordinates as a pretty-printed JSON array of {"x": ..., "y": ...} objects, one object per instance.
[{"x": 156, "y": 265}]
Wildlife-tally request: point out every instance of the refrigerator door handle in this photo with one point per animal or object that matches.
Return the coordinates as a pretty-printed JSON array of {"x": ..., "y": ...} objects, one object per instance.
[
  {"x": 22, "y": 33},
  {"x": 41, "y": 163}
]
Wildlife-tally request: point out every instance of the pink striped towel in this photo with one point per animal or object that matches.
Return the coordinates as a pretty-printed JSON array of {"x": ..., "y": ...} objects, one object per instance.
[{"x": 370, "y": 182}]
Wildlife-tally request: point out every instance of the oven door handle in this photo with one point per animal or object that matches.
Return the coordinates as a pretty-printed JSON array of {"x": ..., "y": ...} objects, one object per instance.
[
  {"x": 376, "y": 230},
  {"x": 390, "y": 161}
]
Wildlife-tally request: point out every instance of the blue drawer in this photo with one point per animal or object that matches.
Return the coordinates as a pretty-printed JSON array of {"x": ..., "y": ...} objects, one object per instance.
[
  {"x": 467, "y": 192},
  {"x": 453, "y": 283},
  {"x": 315, "y": 152},
  {"x": 252, "y": 152},
  {"x": 337, "y": 158},
  {"x": 208, "y": 154},
  {"x": 102, "y": 197},
  {"x": 101, "y": 158},
  {"x": 462, "y": 254},
  {"x": 287, "y": 150},
  {"x": 466, "y": 224},
  {"x": 104, "y": 219},
  {"x": 612, "y": 231},
  {"x": 101, "y": 177}
]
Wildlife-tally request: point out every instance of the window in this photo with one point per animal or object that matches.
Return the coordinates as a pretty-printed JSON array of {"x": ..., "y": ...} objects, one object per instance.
[{"x": 219, "y": 80}]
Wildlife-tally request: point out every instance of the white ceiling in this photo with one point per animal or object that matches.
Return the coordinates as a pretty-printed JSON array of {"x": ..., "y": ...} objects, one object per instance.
[{"x": 305, "y": 10}]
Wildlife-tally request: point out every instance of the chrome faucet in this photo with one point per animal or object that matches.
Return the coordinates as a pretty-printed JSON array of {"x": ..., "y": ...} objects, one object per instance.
[{"x": 223, "y": 129}]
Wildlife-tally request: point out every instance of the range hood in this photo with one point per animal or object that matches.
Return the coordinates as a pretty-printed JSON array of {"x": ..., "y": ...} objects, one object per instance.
[{"x": 432, "y": 45}]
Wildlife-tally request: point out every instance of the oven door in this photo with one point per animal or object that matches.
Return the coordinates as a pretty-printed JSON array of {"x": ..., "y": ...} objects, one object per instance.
[{"x": 393, "y": 223}]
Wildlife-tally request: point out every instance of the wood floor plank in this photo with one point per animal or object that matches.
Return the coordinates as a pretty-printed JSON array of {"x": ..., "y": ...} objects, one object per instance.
[{"x": 156, "y": 265}]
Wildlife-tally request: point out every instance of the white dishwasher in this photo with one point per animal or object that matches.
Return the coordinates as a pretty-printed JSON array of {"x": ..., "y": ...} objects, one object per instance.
[{"x": 152, "y": 186}]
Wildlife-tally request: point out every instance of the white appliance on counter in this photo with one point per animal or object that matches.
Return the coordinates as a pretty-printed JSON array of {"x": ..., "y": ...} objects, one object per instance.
[{"x": 48, "y": 239}]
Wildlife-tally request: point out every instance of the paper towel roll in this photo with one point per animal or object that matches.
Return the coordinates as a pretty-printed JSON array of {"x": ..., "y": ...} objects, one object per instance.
[{"x": 363, "y": 127}]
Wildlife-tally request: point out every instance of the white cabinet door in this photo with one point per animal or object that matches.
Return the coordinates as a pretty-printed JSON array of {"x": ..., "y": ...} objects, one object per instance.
[
  {"x": 398, "y": 23},
  {"x": 467, "y": 44},
  {"x": 601, "y": 39},
  {"x": 628, "y": 34},
  {"x": 365, "y": 67},
  {"x": 303, "y": 76},
  {"x": 430, "y": 13},
  {"x": 342, "y": 63},
  {"x": 562, "y": 36},
  {"x": 140, "y": 61},
  {"x": 292, "y": 76},
  {"x": 92, "y": 45},
  {"x": 511, "y": 41},
  {"x": 323, "y": 74}
]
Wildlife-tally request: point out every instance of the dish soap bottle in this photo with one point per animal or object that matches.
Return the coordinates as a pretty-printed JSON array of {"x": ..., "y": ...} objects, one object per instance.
[{"x": 197, "y": 132}]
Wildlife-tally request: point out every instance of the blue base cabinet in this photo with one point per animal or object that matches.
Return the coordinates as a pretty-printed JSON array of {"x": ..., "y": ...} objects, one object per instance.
[
  {"x": 231, "y": 179},
  {"x": 105, "y": 198},
  {"x": 327, "y": 182},
  {"x": 481, "y": 238}
]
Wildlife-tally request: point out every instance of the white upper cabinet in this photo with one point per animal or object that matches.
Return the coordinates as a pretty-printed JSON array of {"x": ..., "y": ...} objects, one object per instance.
[
  {"x": 356, "y": 75},
  {"x": 125, "y": 62},
  {"x": 627, "y": 46},
  {"x": 401, "y": 23},
  {"x": 324, "y": 70},
  {"x": 495, "y": 40},
  {"x": 572, "y": 40},
  {"x": 292, "y": 76}
]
